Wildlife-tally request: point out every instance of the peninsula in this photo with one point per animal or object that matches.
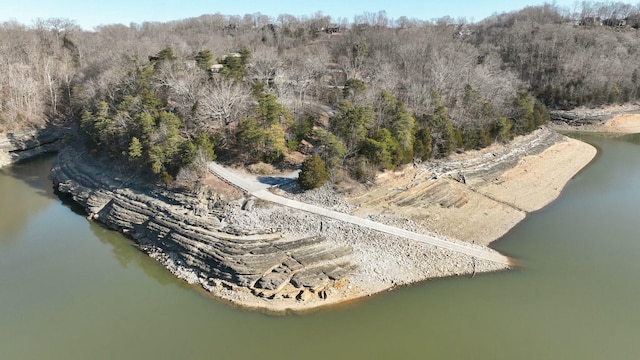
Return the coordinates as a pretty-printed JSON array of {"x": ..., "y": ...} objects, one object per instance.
[
  {"x": 292, "y": 163},
  {"x": 258, "y": 253}
]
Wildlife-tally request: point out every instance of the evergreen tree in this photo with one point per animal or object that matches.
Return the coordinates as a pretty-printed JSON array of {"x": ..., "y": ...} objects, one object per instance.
[
  {"x": 263, "y": 134},
  {"x": 422, "y": 144},
  {"x": 164, "y": 55},
  {"x": 204, "y": 143},
  {"x": 135, "y": 149},
  {"x": 313, "y": 173},
  {"x": 353, "y": 123},
  {"x": 382, "y": 149},
  {"x": 235, "y": 65},
  {"x": 330, "y": 148},
  {"x": 442, "y": 131},
  {"x": 353, "y": 89},
  {"x": 523, "y": 117},
  {"x": 400, "y": 123},
  {"x": 204, "y": 59}
]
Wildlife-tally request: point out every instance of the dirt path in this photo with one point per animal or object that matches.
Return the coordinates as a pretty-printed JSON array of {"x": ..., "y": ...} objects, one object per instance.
[
  {"x": 250, "y": 183},
  {"x": 259, "y": 190}
]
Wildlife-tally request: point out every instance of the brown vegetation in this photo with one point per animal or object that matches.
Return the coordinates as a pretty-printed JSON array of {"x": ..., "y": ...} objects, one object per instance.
[{"x": 256, "y": 88}]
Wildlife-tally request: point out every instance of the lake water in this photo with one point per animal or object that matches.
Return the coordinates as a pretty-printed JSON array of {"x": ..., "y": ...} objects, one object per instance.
[{"x": 70, "y": 289}]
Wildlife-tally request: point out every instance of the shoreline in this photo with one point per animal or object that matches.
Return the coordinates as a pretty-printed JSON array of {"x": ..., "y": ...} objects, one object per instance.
[
  {"x": 623, "y": 124},
  {"x": 476, "y": 186},
  {"x": 28, "y": 143},
  {"x": 615, "y": 120},
  {"x": 478, "y": 196}
]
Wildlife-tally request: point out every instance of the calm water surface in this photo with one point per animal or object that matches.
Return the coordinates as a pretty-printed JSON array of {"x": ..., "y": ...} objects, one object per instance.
[{"x": 70, "y": 289}]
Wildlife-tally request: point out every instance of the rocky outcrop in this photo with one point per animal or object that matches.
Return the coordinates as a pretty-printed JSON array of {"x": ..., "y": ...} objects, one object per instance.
[
  {"x": 24, "y": 144},
  {"x": 586, "y": 116},
  {"x": 193, "y": 237}
]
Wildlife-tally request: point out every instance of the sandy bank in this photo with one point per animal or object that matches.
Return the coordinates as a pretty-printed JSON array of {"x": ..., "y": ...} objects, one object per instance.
[
  {"x": 537, "y": 180},
  {"x": 624, "y": 124},
  {"x": 474, "y": 196}
]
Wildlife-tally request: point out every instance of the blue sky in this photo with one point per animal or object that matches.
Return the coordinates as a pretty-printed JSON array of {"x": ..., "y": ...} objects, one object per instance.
[{"x": 91, "y": 13}]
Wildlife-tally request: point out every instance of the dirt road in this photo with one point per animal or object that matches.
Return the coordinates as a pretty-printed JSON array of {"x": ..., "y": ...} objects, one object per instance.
[{"x": 258, "y": 187}]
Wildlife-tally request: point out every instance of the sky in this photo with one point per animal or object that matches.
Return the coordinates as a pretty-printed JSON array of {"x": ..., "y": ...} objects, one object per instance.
[{"x": 91, "y": 13}]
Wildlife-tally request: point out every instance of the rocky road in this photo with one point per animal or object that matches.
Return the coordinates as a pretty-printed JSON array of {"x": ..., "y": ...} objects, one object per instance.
[{"x": 259, "y": 187}]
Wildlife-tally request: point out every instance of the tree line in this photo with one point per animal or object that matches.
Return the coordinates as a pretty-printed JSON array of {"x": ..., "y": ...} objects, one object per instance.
[{"x": 161, "y": 98}]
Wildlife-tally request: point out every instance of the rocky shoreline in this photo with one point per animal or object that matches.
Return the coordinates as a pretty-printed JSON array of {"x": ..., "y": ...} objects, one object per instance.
[
  {"x": 264, "y": 256},
  {"x": 585, "y": 118},
  {"x": 25, "y": 144},
  {"x": 253, "y": 254},
  {"x": 203, "y": 239},
  {"x": 259, "y": 255}
]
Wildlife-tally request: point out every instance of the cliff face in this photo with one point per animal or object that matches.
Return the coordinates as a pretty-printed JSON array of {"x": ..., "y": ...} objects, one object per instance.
[
  {"x": 191, "y": 236},
  {"x": 24, "y": 144}
]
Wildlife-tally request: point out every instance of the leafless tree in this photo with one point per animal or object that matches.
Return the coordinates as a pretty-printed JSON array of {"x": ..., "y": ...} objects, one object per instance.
[{"x": 221, "y": 104}]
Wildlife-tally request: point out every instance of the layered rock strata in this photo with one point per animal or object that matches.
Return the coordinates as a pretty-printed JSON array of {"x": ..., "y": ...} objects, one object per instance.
[
  {"x": 588, "y": 116},
  {"x": 20, "y": 145},
  {"x": 193, "y": 237}
]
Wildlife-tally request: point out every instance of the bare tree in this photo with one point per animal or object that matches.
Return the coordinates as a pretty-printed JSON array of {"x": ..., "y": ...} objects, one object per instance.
[{"x": 221, "y": 104}]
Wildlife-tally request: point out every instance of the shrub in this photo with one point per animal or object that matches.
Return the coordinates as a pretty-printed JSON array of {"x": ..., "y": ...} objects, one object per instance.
[{"x": 313, "y": 174}]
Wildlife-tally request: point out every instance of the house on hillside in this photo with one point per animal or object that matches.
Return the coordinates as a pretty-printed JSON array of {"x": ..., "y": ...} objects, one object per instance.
[
  {"x": 615, "y": 22},
  {"x": 216, "y": 68},
  {"x": 332, "y": 29},
  {"x": 591, "y": 21}
]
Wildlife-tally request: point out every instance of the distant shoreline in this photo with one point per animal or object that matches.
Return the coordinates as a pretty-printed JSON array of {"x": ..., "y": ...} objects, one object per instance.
[{"x": 615, "y": 119}]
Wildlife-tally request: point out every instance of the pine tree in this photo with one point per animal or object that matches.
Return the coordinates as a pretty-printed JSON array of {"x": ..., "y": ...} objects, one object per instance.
[
  {"x": 135, "y": 149},
  {"x": 313, "y": 174},
  {"x": 204, "y": 59}
]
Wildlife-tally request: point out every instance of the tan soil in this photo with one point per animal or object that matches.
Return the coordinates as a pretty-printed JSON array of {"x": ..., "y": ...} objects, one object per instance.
[
  {"x": 626, "y": 124},
  {"x": 538, "y": 179},
  {"x": 222, "y": 188},
  {"x": 487, "y": 204},
  {"x": 444, "y": 206}
]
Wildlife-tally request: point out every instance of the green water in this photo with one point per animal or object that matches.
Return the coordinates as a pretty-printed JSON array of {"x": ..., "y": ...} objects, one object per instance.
[{"x": 70, "y": 289}]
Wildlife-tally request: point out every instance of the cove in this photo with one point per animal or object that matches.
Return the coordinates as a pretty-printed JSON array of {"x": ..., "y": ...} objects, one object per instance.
[{"x": 70, "y": 289}]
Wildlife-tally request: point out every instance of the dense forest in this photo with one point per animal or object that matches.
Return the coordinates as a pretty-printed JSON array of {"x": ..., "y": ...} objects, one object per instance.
[{"x": 160, "y": 99}]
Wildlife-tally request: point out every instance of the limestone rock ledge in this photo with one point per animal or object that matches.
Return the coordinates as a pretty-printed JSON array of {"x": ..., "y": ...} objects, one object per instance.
[
  {"x": 587, "y": 116},
  {"x": 20, "y": 145},
  {"x": 191, "y": 236}
]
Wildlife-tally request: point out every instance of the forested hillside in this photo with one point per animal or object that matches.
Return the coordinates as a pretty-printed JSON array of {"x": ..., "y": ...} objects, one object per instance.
[{"x": 157, "y": 98}]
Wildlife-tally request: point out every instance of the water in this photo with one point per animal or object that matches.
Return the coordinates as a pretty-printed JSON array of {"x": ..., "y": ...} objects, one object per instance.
[{"x": 70, "y": 289}]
